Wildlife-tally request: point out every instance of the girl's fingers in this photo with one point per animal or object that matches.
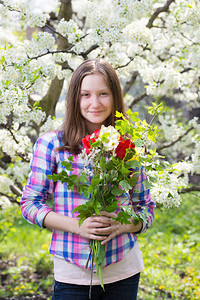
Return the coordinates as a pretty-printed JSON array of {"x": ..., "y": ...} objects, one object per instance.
[
  {"x": 101, "y": 228},
  {"x": 97, "y": 237},
  {"x": 105, "y": 221},
  {"x": 109, "y": 215}
]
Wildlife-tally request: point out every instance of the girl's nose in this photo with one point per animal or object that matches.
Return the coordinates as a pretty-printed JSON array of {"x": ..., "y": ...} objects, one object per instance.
[{"x": 95, "y": 100}]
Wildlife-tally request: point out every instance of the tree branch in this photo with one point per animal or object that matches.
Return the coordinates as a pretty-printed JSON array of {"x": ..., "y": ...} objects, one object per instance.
[
  {"x": 53, "y": 52},
  {"x": 138, "y": 99},
  {"x": 123, "y": 66},
  {"x": 12, "y": 199},
  {"x": 175, "y": 141},
  {"x": 130, "y": 82},
  {"x": 195, "y": 188},
  {"x": 85, "y": 54},
  {"x": 54, "y": 31},
  {"x": 3, "y": 165},
  {"x": 15, "y": 191},
  {"x": 159, "y": 10},
  {"x": 186, "y": 70}
]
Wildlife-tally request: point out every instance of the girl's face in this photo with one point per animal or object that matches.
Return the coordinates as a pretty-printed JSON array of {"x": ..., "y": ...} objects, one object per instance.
[{"x": 96, "y": 101}]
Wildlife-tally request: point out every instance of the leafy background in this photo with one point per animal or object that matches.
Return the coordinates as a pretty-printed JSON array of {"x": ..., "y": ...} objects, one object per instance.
[{"x": 171, "y": 251}]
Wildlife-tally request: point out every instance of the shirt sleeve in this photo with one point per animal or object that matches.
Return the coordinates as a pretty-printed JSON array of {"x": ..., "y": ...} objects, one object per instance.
[
  {"x": 140, "y": 198},
  {"x": 36, "y": 192}
]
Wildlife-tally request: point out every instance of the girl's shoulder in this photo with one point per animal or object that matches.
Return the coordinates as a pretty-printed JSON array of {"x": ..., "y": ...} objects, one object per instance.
[{"x": 53, "y": 138}]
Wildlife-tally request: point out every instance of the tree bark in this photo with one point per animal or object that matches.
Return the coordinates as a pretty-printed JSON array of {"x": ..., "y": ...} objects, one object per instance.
[
  {"x": 49, "y": 101},
  {"x": 159, "y": 10}
]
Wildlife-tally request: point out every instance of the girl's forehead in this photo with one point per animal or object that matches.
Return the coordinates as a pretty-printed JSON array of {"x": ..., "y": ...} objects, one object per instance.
[{"x": 94, "y": 80}]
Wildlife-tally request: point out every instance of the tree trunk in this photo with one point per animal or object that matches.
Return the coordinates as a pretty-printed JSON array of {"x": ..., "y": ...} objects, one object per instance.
[{"x": 49, "y": 101}]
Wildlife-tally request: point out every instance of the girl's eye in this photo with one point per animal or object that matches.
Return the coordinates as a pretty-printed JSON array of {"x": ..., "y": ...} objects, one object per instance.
[
  {"x": 104, "y": 94},
  {"x": 84, "y": 95}
]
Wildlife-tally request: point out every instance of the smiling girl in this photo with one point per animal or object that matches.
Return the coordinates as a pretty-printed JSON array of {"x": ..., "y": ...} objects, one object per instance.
[{"x": 93, "y": 97}]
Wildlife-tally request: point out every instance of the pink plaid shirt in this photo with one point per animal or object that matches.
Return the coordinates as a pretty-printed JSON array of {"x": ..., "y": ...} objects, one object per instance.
[{"x": 72, "y": 247}]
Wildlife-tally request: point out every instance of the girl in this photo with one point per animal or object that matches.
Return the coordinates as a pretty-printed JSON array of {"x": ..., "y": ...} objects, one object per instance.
[{"x": 93, "y": 97}]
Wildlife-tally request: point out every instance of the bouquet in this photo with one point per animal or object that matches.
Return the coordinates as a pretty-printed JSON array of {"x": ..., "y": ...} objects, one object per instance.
[{"x": 114, "y": 157}]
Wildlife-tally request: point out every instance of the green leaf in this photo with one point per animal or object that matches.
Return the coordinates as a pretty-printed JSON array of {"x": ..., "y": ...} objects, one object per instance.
[
  {"x": 102, "y": 163},
  {"x": 74, "y": 180},
  {"x": 67, "y": 165},
  {"x": 125, "y": 185},
  {"x": 134, "y": 117},
  {"x": 71, "y": 158},
  {"x": 124, "y": 171},
  {"x": 55, "y": 177},
  {"x": 105, "y": 137},
  {"x": 2, "y": 60},
  {"x": 133, "y": 164},
  {"x": 95, "y": 181},
  {"x": 117, "y": 191},
  {"x": 147, "y": 184},
  {"x": 123, "y": 217},
  {"x": 95, "y": 144},
  {"x": 139, "y": 143},
  {"x": 121, "y": 126},
  {"x": 97, "y": 207},
  {"x": 152, "y": 178},
  {"x": 84, "y": 178},
  {"x": 86, "y": 193},
  {"x": 132, "y": 181},
  {"x": 113, "y": 207},
  {"x": 82, "y": 189},
  {"x": 128, "y": 112},
  {"x": 118, "y": 114}
]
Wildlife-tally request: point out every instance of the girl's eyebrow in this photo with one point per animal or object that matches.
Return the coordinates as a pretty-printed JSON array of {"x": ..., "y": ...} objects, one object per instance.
[{"x": 104, "y": 89}]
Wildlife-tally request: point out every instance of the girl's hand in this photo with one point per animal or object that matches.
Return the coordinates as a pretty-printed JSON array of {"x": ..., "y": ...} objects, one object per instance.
[
  {"x": 104, "y": 228},
  {"x": 96, "y": 227},
  {"x": 117, "y": 228}
]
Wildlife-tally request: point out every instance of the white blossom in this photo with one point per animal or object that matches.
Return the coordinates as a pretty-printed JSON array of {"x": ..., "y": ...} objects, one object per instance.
[
  {"x": 70, "y": 30},
  {"x": 13, "y": 147},
  {"x": 137, "y": 32},
  {"x": 4, "y": 203},
  {"x": 112, "y": 137},
  {"x": 50, "y": 124}
]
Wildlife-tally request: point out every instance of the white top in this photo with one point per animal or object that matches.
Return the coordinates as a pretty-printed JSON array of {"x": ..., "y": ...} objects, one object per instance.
[{"x": 67, "y": 272}]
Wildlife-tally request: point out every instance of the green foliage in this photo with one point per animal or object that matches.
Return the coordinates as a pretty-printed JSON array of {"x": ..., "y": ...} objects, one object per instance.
[
  {"x": 25, "y": 264},
  {"x": 7, "y": 219},
  {"x": 171, "y": 251}
]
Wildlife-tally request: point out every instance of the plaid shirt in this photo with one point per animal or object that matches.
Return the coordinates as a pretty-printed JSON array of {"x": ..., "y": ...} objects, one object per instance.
[{"x": 72, "y": 247}]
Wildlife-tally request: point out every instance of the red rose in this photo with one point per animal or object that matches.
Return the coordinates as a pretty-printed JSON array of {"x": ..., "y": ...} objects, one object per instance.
[
  {"x": 86, "y": 140},
  {"x": 122, "y": 146},
  {"x": 96, "y": 133}
]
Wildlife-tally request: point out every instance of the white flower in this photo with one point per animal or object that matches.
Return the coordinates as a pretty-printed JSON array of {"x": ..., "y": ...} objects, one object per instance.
[
  {"x": 50, "y": 124},
  {"x": 69, "y": 29},
  {"x": 112, "y": 137},
  {"x": 138, "y": 32},
  {"x": 4, "y": 203}
]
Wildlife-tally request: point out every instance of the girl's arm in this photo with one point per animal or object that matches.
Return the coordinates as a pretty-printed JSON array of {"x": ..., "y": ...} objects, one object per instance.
[
  {"x": 38, "y": 187},
  {"x": 91, "y": 228}
]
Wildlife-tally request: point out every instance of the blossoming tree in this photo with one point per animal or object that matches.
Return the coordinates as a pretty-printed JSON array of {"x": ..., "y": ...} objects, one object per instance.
[{"x": 153, "y": 45}]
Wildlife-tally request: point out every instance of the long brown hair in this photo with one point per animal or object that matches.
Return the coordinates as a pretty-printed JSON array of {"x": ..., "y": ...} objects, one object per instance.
[{"x": 74, "y": 125}]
